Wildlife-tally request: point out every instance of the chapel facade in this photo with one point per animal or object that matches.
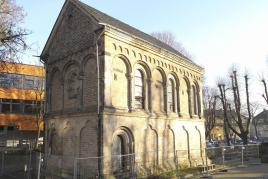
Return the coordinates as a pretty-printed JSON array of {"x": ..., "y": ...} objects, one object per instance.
[{"x": 117, "y": 99}]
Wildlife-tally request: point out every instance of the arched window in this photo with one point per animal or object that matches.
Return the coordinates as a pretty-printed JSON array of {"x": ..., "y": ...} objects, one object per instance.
[
  {"x": 118, "y": 150},
  {"x": 122, "y": 151},
  {"x": 139, "y": 89},
  {"x": 171, "y": 96}
]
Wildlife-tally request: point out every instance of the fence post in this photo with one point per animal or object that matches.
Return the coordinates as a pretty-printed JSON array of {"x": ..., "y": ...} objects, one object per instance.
[
  {"x": 223, "y": 157},
  {"x": 206, "y": 161},
  {"x": 3, "y": 163},
  {"x": 177, "y": 165},
  {"x": 75, "y": 168},
  {"x": 39, "y": 165},
  {"x": 30, "y": 163},
  {"x": 242, "y": 155},
  {"x": 133, "y": 173},
  {"x": 258, "y": 148}
]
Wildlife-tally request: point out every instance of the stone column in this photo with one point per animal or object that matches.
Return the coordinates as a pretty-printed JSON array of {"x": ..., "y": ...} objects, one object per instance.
[
  {"x": 198, "y": 104},
  {"x": 81, "y": 77},
  {"x": 62, "y": 84},
  {"x": 165, "y": 97},
  {"x": 129, "y": 90},
  {"x": 178, "y": 100},
  {"x": 149, "y": 95},
  {"x": 189, "y": 102}
]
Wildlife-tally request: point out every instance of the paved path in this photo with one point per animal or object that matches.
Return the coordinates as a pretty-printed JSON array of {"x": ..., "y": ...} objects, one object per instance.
[{"x": 251, "y": 171}]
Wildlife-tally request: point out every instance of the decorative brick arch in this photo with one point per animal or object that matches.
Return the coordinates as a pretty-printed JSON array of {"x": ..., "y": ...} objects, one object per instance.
[
  {"x": 146, "y": 73},
  {"x": 198, "y": 98},
  {"x": 188, "y": 84},
  {"x": 72, "y": 85},
  {"x": 126, "y": 61},
  {"x": 145, "y": 67},
  {"x": 159, "y": 98},
  {"x": 89, "y": 80},
  {"x": 152, "y": 144},
  {"x": 174, "y": 76},
  {"x": 68, "y": 65},
  {"x": 127, "y": 81},
  {"x": 85, "y": 60},
  {"x": 168, "y": 147},
  {"x": 55, "y": 90}
]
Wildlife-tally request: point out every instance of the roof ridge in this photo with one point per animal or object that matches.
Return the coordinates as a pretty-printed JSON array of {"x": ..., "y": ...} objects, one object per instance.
[{"x": 95, "y": 12}]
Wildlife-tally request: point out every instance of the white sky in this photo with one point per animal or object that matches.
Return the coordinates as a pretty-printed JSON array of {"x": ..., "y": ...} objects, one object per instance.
[{"x": 218, "y": 33}]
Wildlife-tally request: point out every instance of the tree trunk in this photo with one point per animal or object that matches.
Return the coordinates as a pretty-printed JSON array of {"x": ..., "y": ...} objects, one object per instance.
[
  {"x": 256, "y": 130},
  {"x": 245, "y": 138}
]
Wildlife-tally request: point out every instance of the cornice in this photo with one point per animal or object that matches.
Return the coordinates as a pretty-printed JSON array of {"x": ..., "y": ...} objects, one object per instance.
[{"x": 153, "y": 49}]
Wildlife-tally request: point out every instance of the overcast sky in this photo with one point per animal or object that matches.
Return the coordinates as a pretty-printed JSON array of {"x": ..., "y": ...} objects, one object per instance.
[{"x": 218, "y": 33}]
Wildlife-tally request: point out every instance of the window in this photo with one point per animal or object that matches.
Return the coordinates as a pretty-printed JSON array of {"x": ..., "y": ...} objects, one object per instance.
[
  {"x": 16, "y": 81},
  {"x": 16, "y": 106},
  {"x": 29, "y": 107},
  {"x": 10, "y": 128},
  {"x": 2, "y": 129},
  {"x": 6, "y": 106},
  {"x": 12, "y": 143},
  {"x": 21, "y": 81},
  {"x": 171, "y": 95},
  {"x": 5, "y": 80},
  {"x": 28, "y": 82},
  {"x": 20, "y": 106},
  {"x": 139, "y": 91}
]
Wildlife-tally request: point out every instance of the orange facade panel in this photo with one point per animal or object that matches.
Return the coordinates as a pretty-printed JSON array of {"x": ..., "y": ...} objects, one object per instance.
[
  {"x": 23, "y": 122},
  {"x": 20, "y": 91},
  {"x": 23, "y": 69},
  {"x": 23, "y": 94}
]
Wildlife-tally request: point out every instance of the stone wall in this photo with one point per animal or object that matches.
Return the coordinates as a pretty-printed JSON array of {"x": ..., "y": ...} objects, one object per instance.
[{"x": 71, "y": 88}]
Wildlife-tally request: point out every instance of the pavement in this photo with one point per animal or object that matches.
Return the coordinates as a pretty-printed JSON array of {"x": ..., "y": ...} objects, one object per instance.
[{"x": 251, "y": 171}]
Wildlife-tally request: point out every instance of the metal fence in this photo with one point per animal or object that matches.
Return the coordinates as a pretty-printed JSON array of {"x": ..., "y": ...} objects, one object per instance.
[
  {"x": 228, "y": 156},
  {"x": 120, "y": 166},
  {"x": 154, "y": 163},
  {"x": 20, "y": 163},
  {"x": 27, "y": 164}
]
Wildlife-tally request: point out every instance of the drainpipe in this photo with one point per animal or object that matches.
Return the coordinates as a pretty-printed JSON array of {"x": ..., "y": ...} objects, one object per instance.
[{"x": 98, "y": 105}]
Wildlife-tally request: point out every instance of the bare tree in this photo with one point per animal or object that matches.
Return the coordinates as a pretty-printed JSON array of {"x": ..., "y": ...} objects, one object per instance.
[
  {"x": 265, "y": 94},
  {"x": 223, "y": 99},
  {"x": 210, "y": 103},
  {"x": 12, "y": 36},
  {"x": 255, "y": 121},
  {"x": 170, "y": 39},
  {"x": 39, "y": 107},
  {"x": 241, "y": 120}
]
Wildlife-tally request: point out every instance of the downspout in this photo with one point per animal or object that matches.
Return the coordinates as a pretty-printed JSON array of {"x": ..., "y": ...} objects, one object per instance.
[{"x": 98, "y": 106}]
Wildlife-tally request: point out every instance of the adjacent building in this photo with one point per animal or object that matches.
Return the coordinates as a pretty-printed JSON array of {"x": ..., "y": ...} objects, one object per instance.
[
  {"x": 118, "y": 100},
  {"x": 218, "y": 132},
  {"x": 21, "y": 92},
  {"x": 259, "y": 126}
]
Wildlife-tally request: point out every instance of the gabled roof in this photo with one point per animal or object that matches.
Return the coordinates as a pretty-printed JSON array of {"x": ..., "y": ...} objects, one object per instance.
[
  {"x": 262, "y": 115},
  {"x": 106, "y": 19},
  {"x": 103, "y": 18}
]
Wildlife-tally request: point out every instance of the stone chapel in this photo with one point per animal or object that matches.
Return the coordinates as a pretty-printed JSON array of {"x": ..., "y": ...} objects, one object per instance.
[{"x": 118, "y": 100}]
